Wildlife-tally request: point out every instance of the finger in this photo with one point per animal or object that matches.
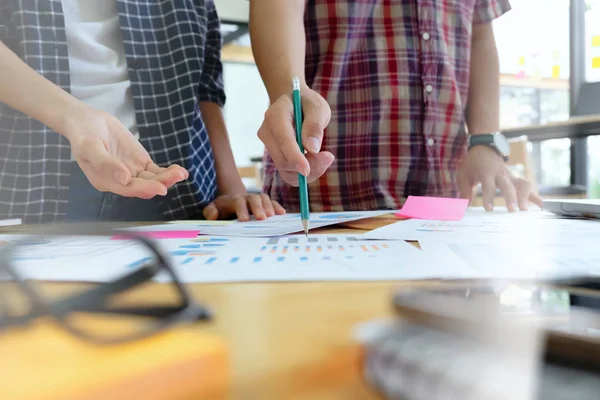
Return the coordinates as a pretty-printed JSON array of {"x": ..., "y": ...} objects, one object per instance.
[
  {"x": 152, "y": 167},
  {"x": 284, "y": 136},
  {"x": 465, "y": 187},
  {"x": 523, "y": 190},
  {"x": 256, "y": 206},
  {"x": 267, "y": 206},
  {"x": 109, "y": 169},
  {"x": 241, "y": 208},
  {"x": 211, "y": 212},
  {"x": 137, "y": 187},
  {"x": 169, "y": 177},
  {"x": 508, "y": 190},
  {"x": 279, "y": 210},
  {"x": 287, "y": 169},
  {"x": 536, "y": 199},
  {"x": 488, "y": 193},
  {"x": 316, "y": 117},
  {"x": 319, "y": 163},
  {"x": 146, "y": 175}
]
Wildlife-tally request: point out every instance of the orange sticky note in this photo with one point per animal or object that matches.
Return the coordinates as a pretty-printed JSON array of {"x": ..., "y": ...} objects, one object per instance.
[{"x": 435, "y": 208}]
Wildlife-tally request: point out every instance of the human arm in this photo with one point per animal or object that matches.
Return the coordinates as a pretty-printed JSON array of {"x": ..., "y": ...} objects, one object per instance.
[
  {"x": 233, "y": 198},
  {"x": 483, "y": 165},
  {"x": 483, "y": 108},
  {"x": 279, "y": 48},
  {"x": 108, "y": 154}
]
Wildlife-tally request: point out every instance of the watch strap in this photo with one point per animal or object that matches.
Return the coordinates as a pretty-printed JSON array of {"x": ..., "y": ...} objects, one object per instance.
[{"x": 486, "y": 139}]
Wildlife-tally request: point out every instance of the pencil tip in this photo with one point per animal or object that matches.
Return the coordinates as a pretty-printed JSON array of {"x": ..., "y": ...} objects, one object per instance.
[{"x": 305, "y": 226}]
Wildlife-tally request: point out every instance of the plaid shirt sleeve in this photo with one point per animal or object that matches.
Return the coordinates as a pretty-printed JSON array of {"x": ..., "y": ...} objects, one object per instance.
[
  {"x": 211, "y": 83},
  {"x": 488, "y": 10}
]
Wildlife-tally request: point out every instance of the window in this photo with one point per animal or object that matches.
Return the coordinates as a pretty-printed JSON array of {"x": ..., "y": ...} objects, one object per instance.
[{"x": 533, "y": 46}]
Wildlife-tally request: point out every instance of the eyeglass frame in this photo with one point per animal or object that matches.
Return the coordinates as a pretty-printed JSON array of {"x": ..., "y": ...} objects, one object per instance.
[{"x": 93, "y": 300}]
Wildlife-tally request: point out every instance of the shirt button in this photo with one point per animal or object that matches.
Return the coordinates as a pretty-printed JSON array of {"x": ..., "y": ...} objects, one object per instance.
[
  {"x": 429, "y": 88},
  {"x": 426, "y": 36},
  {"x": 430, "y": 142}
]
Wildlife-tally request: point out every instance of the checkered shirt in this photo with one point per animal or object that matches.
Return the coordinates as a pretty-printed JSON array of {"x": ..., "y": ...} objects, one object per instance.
[
  {"x": 396, "y": 76},
  {"x": 173, "y": 55}
]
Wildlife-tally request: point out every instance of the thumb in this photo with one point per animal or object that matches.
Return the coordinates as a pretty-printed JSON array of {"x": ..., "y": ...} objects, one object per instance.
[
  {"x": 211, "y": 212},
  {"x": 107, "y": 166},
  {"x": 316, "y": 117}
]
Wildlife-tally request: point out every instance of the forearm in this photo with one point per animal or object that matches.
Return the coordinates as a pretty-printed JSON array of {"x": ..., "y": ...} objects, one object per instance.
[
  {"x": 26, "y": 91},
  {"x": 228, "y": 178},
  {"x": 278, "y": 43},
  {"x": 483, "y": 109}
]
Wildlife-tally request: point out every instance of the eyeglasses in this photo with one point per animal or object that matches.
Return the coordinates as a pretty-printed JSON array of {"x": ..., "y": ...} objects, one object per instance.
[{"x": 107, "y": 313}]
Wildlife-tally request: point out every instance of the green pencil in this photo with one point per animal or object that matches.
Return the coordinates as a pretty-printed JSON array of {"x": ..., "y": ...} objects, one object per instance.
[{"x": 302, "y": 185}]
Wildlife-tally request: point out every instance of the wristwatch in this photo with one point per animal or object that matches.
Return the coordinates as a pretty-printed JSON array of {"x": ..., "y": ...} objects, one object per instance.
[{"x": 497, "y": 141}]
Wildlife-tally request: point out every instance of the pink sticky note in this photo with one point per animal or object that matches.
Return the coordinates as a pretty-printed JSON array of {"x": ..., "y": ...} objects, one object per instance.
[
  {"x": 162, "y": 235},
  {"x": 437, "y": 208}
]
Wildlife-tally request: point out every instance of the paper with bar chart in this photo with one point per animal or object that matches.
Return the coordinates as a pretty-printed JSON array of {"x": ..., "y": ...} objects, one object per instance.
[
  {"x": 235, "y": 259},
  {"x": 294, "y": 258}
]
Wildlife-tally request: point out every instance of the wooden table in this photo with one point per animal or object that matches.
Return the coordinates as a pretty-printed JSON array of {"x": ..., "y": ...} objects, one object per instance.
[{"x": 292, "y": 340}]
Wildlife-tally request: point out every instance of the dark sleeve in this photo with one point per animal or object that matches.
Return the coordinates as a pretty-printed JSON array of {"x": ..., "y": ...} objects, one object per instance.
[
  {"x": 488, "y": 10},
  {"x": 211, "y": 82},
  {"x": 3, "y": 14}
]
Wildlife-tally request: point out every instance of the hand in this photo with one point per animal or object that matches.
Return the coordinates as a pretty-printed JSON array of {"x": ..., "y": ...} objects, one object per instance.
[
  {"x": 113, "y": 159},
  {"x": 279, "y": 136},
  {"x": 229, "y": 205},
  {"x": 483, "y": 165}
]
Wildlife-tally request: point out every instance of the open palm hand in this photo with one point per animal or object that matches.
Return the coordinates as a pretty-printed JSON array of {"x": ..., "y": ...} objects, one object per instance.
[{"x": 113, "y": 159}]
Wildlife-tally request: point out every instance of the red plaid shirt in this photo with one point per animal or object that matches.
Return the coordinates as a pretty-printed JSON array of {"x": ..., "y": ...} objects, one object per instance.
[{"x": 396, "y": 75}]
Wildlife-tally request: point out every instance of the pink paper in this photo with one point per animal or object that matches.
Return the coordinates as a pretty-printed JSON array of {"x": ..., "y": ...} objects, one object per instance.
[
  {"x": 162, "y": 235},
  {"x": 436, "y": 208}
]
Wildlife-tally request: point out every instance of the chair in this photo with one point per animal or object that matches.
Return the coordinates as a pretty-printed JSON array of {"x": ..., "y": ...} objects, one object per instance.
[{"x": 251, "y": 176}]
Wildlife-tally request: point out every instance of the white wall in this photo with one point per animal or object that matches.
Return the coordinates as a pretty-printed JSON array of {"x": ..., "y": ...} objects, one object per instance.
[
  {"x": 247, "y": 101},
  {"x": 233, "y": 10}
]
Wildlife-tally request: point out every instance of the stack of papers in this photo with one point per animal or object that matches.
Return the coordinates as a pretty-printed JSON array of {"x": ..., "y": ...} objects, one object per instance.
[{"x": 460, "y": 244}]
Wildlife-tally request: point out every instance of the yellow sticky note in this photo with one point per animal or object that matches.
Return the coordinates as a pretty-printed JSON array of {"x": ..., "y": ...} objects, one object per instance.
[
  {"x": 202, "y": 222},
  {"x": 556, "y": 71},
  {"x": 596, "y": 62},
  {"x": 521, "y": 61},
  {"x": 596, "y": 41}
]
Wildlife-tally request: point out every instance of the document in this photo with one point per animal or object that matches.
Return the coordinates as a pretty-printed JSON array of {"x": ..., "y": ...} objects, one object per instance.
[
  {"x": 10, "y": 222},
  {"x": 521, "y": 260},
  {"x": 497, "y": 225},
  {"x": 235, "y": 259},
  {"x": 274, "y": 226}
]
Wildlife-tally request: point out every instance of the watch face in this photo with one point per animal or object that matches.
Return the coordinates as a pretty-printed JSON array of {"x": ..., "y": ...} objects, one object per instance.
[{"x": 502, "y": 144}]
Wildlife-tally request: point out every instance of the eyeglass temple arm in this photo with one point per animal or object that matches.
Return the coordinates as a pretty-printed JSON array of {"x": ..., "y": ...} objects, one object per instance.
[{"x": 96, "y": 297}]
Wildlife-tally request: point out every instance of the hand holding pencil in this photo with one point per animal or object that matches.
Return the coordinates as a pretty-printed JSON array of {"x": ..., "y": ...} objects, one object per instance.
[{"x": 279, "y": 137}]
